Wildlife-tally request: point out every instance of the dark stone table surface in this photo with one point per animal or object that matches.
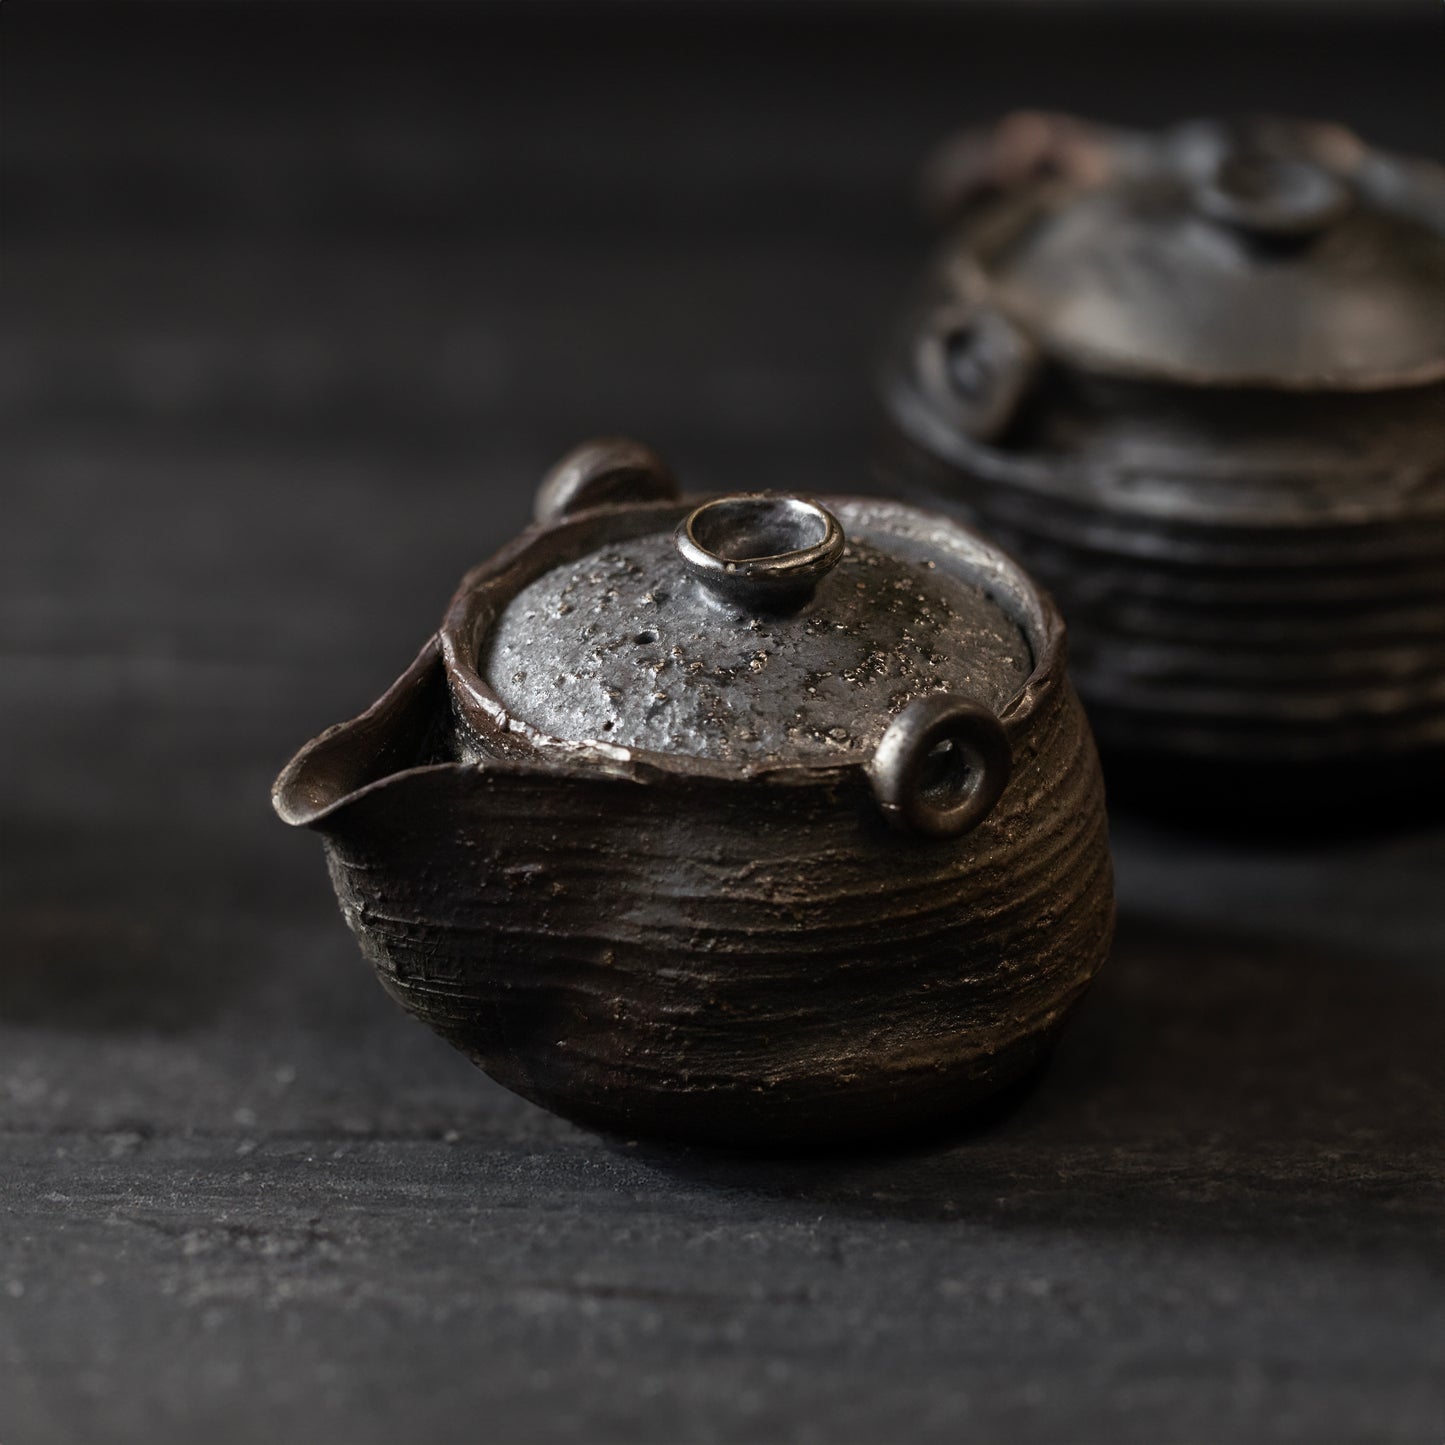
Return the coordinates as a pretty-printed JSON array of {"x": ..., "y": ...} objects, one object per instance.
[{"x": 299, "y": 304}]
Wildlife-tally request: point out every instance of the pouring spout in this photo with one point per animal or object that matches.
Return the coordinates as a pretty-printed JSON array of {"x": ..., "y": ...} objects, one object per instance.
[{"x": 393, "y": 736}]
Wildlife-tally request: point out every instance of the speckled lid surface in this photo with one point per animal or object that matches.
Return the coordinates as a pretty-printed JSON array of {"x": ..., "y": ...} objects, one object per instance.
[{"x": 633, "y": 646}]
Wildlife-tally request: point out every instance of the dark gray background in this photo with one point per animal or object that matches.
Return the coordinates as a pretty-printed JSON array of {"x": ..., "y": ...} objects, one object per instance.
[{"x": 299, "y": 304}]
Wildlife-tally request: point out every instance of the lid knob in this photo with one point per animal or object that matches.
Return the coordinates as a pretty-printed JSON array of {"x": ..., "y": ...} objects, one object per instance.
[
  {"x": 760, "y": 551},
  {"x": 1272, "y": 196}
]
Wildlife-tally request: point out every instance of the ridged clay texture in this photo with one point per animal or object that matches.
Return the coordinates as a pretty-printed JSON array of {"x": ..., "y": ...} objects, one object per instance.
[
  {"x": 1253, "y": 574},
  {"x": 749, "y": 960}
]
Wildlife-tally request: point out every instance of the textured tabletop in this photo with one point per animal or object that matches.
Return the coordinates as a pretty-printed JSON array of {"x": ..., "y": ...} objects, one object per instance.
[{"x": 299, "y": 306}]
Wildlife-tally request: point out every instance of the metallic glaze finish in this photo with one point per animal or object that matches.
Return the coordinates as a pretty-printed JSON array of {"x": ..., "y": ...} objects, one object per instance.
[
  {"x": 623, "y": 645},
  {"x": 711, "y": 950},
  {"x": 1231, "y": 478}
]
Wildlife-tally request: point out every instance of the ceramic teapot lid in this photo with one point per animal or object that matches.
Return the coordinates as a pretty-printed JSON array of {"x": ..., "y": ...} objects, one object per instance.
[
  {"x": 754, "y": 627},
  {"x": 742, "y": 634},
  {"x": 1271, "y": 254}
]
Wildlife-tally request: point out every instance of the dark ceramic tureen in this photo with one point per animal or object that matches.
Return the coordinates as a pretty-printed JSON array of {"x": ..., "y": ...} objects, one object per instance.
[
  {"x": 1196, "y": 381},
  {"x": 752, "y": 819}
]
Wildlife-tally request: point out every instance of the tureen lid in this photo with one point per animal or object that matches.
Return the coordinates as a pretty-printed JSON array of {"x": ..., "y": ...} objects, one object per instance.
[
  {"x": 1271, "y": 253},
  {"x": 740, "y": 634}
]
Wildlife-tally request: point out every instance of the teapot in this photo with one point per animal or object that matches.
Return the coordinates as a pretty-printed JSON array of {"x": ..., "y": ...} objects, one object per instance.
[
  {"x": 1195, "y": 381},
  {"x": 753, "y": 819}
]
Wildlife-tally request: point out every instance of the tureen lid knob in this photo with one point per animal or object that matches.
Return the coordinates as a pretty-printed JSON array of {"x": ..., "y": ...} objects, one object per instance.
[
  {"x": 1262, "y": 194},
  {"x": 762, "y": 551}
]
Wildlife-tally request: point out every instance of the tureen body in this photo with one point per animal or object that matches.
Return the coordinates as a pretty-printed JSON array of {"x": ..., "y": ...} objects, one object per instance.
[{"x": 758, "y": 820}]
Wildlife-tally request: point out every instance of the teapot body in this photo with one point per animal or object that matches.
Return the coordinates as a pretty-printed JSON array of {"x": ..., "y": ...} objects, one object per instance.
[
  {"x": 1243, "y": 655},
  {"x": 743, "y": 962}
]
